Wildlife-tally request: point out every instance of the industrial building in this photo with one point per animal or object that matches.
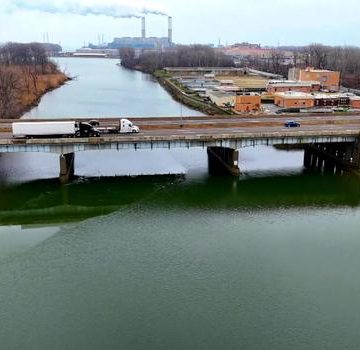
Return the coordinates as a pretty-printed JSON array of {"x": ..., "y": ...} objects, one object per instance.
[
  {"x": 96, "y": 53},
  {"x": 275, "y": 86},
  {"x": 294, "y": 99},
  {"x": 143, "y": 42},
  {"x": 329, "y": 80},
  {"x": 221, "y": 99},
  {"x": 247, "y": 102},
  {"x": 355, "y": 102}
]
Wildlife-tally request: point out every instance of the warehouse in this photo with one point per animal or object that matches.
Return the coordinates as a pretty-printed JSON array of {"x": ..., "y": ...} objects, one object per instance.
[
  {"x": 275, "y": 86},
  {"x": 292, "y": 99}
]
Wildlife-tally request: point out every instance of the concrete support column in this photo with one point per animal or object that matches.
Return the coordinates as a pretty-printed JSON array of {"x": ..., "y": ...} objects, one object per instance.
[
  {"x": 329, "y": 166},
  {"x": 314, "y": 161},
  {"x": 338, "y": 170},
  {"x": 67, "y": 167},
  {"x": 320, "y": 164},
  {"x": 223, "y": 161},
  {"x": 307, "y": 158},
  {"x": 356, "y": 154}
]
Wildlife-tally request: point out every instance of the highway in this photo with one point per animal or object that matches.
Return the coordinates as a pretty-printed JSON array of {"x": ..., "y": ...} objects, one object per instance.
[{"x": 208, "y": 126}]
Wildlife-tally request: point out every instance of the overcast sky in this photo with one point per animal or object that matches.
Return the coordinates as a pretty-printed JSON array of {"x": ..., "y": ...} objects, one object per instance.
[{"x": 269, "y": 22}]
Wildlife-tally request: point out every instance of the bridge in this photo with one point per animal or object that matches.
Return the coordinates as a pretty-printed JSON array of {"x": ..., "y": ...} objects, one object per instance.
[{"x": 331, "y": 143}]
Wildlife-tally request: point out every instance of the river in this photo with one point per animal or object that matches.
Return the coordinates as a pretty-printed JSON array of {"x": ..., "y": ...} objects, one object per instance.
[{"x": 175, "y": 259}]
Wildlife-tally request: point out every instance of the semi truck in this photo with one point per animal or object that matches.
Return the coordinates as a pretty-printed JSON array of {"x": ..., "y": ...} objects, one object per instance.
[
  {"x": 125, "y": 127},
  {"x": 53, "y": 129}
]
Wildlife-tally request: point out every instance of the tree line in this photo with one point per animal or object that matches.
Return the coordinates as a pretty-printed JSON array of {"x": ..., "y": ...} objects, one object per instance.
[
  {"x": 20, "y": 66},
  {"x": 180, "y": 56},
  {"x": 345, "y": 59}
]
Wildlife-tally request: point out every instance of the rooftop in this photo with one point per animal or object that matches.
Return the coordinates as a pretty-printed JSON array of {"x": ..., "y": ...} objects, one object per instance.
[
  {"x": 295, "y": 94},
  {"x": 329, "y": 95},
  {"x": 313, "y": 95},
  {"x": 227, "y": 82},
  {"x": 286, "y": 83},
  {"x": 313, "y": 70},
  {"x": 218, "y": 93},
  {"x": 247, "y": 94}
]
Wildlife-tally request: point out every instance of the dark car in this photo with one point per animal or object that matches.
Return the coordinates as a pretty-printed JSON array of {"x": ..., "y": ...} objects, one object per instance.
[{"x": 292, "y": 124}]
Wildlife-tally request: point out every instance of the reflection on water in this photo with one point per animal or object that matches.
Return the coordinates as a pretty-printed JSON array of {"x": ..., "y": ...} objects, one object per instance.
[
  {"x": 172, "y": 271},
  {"x": 265, "y": 261},
  {"x": 31, "y": 193},
  {"x": 45, "y": 201}
]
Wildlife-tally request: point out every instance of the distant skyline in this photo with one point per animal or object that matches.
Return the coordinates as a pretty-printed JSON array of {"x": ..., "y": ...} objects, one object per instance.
[{"x": 72, "y": 23}]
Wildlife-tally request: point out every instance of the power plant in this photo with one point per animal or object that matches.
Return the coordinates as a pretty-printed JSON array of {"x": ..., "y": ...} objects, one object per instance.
[{"x": 143, "y": 42}]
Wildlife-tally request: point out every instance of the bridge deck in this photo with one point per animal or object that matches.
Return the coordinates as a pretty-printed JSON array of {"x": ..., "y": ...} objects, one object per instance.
[{"x": 230, "y": 132}]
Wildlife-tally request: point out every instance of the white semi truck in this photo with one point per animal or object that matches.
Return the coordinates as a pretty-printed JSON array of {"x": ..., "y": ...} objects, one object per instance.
[
  {"x": 125, "y": 127},
  {"x": 54, "y": 129}
]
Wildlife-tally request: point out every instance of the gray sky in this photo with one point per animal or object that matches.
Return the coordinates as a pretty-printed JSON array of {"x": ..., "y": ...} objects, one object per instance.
[{"x": 269, "y": 22}]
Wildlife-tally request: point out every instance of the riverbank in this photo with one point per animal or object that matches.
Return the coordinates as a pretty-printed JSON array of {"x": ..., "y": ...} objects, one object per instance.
[
  {"x": 25, "y": 86},
  {"x": 180, "y": 93},
  {"x": 190, "y": 100},
  {"x": 46, "y": 83}
]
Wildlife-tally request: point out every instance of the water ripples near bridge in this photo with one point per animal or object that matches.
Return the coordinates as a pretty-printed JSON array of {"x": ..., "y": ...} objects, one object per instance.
[{"x": 268, "y": 260}]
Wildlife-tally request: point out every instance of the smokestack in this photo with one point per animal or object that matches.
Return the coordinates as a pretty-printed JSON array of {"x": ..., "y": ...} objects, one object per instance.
[
  {"x": 143, "y": 28},
  {"x": 170, "y": 32}
]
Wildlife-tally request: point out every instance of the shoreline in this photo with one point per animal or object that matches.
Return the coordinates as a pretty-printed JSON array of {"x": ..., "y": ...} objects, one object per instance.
[
  {"x": 35, "y": 101},
  {"x": 179, "y": 95}
]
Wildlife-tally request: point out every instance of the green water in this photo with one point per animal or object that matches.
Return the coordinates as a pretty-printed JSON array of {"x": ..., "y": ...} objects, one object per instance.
[
  {"x": 266, "y": 261},
  {"x": 170, "y": 262}
]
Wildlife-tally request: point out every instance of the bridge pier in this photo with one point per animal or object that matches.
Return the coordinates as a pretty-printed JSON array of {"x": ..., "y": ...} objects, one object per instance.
[
  {"x": 308, "y": 157},
  {"x": 67, "y": 167},
  {"x": 333, "y": 157},
  {"x": 223, "y": 161},
  {"x": 329, "y": 166}
]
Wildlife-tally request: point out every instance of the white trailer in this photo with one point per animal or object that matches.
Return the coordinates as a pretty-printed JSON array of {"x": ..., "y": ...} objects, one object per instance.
[{"x": 53, "y": 129}]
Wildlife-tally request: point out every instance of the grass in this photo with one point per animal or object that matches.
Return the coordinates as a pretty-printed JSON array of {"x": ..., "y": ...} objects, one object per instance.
[{"x": 29, "y": 93}]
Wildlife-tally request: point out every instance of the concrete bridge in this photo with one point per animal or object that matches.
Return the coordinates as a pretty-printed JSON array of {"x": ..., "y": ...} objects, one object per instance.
[{"x": 331, "y": 143}]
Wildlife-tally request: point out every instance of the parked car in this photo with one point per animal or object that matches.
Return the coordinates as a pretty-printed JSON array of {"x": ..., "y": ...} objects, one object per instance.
[{"x": 292, "y": 124}]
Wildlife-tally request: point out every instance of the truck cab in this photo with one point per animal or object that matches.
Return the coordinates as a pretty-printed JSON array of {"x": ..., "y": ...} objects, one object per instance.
[
  {"x": 86, "y": 130},
  {"x": 126, "y": 126}
]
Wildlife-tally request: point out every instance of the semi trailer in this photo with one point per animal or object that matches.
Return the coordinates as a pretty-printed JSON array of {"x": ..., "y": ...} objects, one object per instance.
[{"x": 54, "y": 129}]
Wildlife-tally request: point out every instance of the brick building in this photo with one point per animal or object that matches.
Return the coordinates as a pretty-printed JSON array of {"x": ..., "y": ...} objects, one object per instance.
[
  {"x": 275, "y": 86},
  {"x": 355, "y": 102},
  {"x": 292, "y": 99},
  {"x": 247, "y": 102},
  {"x": 329, "y": 80}
]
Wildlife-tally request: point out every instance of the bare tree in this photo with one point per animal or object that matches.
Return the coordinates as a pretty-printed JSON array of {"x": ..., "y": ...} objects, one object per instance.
[
  {"x": 9, "y": 88},
  {"x": 127, "y": 56},
  {"x": 181, "y": 56}
]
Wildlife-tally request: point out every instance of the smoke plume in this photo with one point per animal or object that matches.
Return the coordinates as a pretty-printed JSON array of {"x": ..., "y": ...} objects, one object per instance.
[{"x": 110, "y": 8}]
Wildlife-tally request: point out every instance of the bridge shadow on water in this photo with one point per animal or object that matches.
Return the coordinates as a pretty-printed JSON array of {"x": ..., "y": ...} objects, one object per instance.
[{"x": 46, "y": 202}]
